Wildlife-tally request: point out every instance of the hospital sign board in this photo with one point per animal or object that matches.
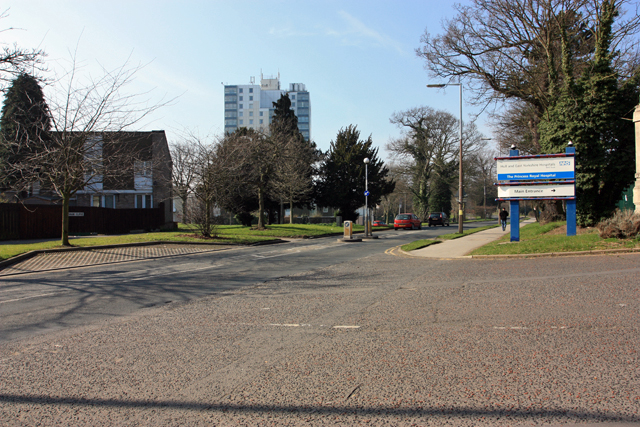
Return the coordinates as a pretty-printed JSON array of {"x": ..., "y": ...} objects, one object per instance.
[
  {"x": 536, "y": 168},
  {"x": 515, "y": 191}
]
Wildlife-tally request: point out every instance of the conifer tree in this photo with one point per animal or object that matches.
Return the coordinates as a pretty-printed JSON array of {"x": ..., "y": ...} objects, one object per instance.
[
  {"x": 24, "y": 126},
  {"x": 342, "y": 176}
]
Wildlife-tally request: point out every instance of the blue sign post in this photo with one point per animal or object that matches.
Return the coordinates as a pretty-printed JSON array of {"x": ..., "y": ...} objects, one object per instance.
[
  {"x": 571, "y": 204},
  {"x": 515, "y": 209}
]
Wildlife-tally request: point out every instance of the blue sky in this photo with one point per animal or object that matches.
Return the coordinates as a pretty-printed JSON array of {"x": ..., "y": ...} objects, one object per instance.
[{"x": 356, "y": 58}]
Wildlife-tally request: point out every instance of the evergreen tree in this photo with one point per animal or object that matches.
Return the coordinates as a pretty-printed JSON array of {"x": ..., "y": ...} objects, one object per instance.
[
  {"x": 588, "y": 112},
  {"x": 342, "y": 176},
  {"x": 293, "y": 173},
  {"x": 24, "y": 127}
]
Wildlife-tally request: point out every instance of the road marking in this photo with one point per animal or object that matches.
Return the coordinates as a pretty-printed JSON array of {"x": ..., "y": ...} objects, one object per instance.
[
  {"x": 33, "y": 296},
  {"x": 290, "y": 325},
  {"x": 346, "y": 327},
  {"x": 510, "y": 327}
]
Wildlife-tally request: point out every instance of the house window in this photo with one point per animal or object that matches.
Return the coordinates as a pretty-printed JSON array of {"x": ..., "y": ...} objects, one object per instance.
[
  {"x": 109, "y": 201},
  {"x": 251, "y": 121},
  {"x": 143, "y": 168},
  {"x": 261, "y": 121},
  {"x": 250, "y": 90},
  {"x": 251, "y": 113},
  {"x": 251, "y": 106},
  {"x": 240, "y": 98},
  {"x": 261, "y": 113},
  {"x": 293, "y": 105},
  {"x": 240, "y": 90},
  {"x": 144, "y": 201},
  {"x": 251, "y": 98},
  {"x": 240, "y": 106},
  {"x": 325, "y": 210},
  {"x": 293, "y": 97},
  {"x": 241, "y": 121},
  {"x": 241, "y": 113},
  {"x": 96, "y": 201}
]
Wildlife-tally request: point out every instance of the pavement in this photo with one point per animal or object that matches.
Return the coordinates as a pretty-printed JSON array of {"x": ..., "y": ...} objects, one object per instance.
[
  {"x": 461, "y": 247},
  {"x": 83, "y": 257}
]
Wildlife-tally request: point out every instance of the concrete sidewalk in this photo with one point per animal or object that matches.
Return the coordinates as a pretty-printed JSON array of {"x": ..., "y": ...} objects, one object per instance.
[{"x": 459, "y": 248}]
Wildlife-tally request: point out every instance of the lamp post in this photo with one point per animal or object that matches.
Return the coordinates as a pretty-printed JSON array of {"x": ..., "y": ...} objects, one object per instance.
[
  {"x": 460, "y": 193},
  {"x": 366, "y": 197}
]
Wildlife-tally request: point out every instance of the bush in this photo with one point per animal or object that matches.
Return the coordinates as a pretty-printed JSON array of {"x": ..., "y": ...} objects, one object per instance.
[
  {"x": 244, "y": 218},
  {"x": 622, "y": 225}
]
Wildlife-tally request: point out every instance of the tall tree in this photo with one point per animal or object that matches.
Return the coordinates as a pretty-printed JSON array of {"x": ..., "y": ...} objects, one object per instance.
[
  {"x": 293, "y": 172},
  {"x": 512, "y": 50},
  {"x": 24, "y": 127},
  {"x": 589, "y": 112},
  {"x": 429, "y": 151},
  {"x": 342, "y": 175}
]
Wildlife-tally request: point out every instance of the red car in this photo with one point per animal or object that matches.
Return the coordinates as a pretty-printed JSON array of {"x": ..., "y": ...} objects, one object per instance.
[
  {"x": 407, "y": 220},
  {"x": 377, "y": 223}
]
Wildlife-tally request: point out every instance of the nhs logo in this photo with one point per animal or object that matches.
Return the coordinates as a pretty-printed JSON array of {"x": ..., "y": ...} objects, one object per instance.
[{"x": 565, "y": 163}]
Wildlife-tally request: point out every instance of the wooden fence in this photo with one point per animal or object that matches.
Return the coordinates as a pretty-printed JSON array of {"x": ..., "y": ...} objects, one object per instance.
[{"x": 19, "y": 221}]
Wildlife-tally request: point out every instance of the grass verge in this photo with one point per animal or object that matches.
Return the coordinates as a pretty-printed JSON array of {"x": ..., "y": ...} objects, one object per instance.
[
  {"x": 418, "y": 244},
  {"x": 227, "y": 234},
  {"x": 536, "y": 238}
]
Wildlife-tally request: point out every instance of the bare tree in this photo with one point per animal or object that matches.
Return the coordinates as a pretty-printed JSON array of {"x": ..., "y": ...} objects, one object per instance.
[
  {"x": 205, "y": 166},
  {"x": 293, "y": 169},
  {"x": 430, "y": 139},
  {"x": 80, "y": 153},
  {"x": 184, "y": 155},
  {"x": 15, "y": 60}
]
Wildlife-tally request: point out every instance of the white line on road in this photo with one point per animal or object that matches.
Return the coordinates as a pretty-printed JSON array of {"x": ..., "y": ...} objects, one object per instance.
[{"x": 32, "y": 296}]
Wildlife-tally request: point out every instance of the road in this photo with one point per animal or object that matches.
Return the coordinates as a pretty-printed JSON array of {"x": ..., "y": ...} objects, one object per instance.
[
  {"x": 38, "y": 303},
  {"x": 320, "y": 333}
]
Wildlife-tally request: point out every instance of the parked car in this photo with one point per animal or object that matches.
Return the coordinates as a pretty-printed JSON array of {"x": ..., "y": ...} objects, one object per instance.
[
  {"x": 407, "y": 220},
  {"x": 438, "y": 218},
  {"x": 377, "y": 223}
]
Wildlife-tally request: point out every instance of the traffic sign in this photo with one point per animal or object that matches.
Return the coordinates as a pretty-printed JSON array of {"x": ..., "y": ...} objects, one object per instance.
[{"x": 366, "y": 193}]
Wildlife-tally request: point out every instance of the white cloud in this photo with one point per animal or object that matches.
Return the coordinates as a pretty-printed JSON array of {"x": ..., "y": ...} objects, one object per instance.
[{"x": 356, "y": 33}]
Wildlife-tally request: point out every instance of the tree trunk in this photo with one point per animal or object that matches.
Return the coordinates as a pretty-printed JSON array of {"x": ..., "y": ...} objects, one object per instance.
[
  {"x": 184, "y": 209},
  {"x": 65, "y": 219},
  {"x": 290, "y": 211},
  {"x": 260, "y": 208}
]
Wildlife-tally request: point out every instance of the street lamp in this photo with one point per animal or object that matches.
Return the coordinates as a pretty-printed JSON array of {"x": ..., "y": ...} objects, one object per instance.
[
  {"x": 366, "y": 197},
  {"x": 460, "y": 194}
]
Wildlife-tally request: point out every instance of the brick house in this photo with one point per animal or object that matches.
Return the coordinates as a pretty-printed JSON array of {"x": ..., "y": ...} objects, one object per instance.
[{"x": 144, "y": 183}]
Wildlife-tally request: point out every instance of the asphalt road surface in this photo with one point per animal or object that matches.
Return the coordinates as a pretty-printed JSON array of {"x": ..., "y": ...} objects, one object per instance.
[
  {"x": 36, "y": 303},
  {"x": 321, "y": 333}
]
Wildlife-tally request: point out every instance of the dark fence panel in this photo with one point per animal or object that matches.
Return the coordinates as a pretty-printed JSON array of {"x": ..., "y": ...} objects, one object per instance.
[
  {"x": 9, "y": 221},
  {"x": 45, "y": 221},
  {"x": 40, "y": 221}
]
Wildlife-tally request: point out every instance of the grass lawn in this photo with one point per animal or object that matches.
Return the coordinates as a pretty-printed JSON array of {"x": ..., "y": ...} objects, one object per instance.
[
  {"x": 536, "y": 238},
  {"x": 227, "y": 234}
]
